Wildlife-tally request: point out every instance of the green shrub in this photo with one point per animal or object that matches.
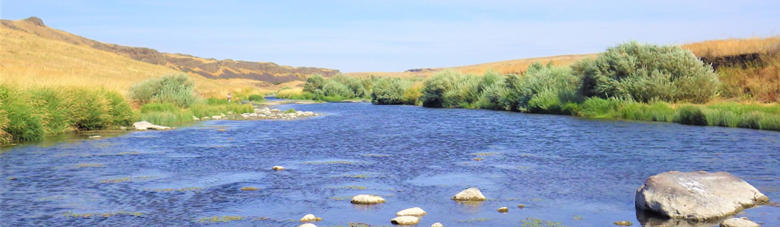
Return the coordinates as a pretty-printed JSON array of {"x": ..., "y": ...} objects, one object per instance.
[
  {"x": 291, "y": 110},
  {"x": 313, "y": 83},
  {"x": 179, "y": 90},
  {"x": 769, "y": 122},
  {"x": 690, "y": 115},
  {"x": 391, "y": 91},
  {"x": 164, "y": 118},
  {"x": 647, "y": 72},
  {"x": 256, "y": 98},
  {"x": 158, "y": 107}
]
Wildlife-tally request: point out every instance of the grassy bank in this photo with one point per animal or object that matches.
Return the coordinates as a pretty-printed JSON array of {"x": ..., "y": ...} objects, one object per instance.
[
  {"x": 333, "y": 89},
  {"x": 31, "y": 113},
  {"x": 630, "y": 81}
]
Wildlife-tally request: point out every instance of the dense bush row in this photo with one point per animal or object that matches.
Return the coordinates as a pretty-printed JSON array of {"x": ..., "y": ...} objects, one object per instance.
[
  {"x": 630, "y": 81},
  {"x": 30, "y": 114}
]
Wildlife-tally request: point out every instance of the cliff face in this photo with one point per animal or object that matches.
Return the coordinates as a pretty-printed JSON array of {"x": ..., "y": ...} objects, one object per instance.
[{"x": 209, "y": 68}]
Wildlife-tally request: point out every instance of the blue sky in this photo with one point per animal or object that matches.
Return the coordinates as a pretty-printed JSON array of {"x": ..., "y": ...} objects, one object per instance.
[{"x": 395, "y": 35}]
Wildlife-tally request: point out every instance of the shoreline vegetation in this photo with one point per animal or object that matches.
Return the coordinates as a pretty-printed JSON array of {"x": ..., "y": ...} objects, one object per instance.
[
  {"x": 30, "y": 113},
  {"x": 630, "y": 81}
]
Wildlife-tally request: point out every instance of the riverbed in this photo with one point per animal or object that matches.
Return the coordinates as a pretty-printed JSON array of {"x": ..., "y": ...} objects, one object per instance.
[{"x": 568, "y": 170}]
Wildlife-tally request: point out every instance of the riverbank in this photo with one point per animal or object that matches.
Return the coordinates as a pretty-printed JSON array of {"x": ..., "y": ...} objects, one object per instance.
[{"x": 630, "y": 81}]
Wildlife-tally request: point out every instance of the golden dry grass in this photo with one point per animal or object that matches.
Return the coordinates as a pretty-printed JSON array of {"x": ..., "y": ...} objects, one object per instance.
[
  {"x": 733, "y": 46},
  {"x": 29, "y": 59}
]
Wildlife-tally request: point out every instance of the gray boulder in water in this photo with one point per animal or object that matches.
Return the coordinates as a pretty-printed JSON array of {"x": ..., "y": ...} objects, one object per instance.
[{"x": 696, "y": 196}]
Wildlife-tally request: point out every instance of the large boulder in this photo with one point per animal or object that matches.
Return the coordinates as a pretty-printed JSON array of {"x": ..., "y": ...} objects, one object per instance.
[
  {"x": 415, "y": 211},
  {"x": 405, "y": 220},
  {"x": 738, "y": 222},
  {"x": 696, "y": 196},
  {"x": 471, "y": 194},
  {"x": 367, "y": 199}
]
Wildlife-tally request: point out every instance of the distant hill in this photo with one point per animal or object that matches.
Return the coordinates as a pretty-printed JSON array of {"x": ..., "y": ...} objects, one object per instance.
[
  {"x": 209, "y": 68},
  {"x": 503, "y": 67}
]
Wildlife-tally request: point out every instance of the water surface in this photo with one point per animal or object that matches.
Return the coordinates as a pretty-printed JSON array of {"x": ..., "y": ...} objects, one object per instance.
[{"x": 579, "y": 172}]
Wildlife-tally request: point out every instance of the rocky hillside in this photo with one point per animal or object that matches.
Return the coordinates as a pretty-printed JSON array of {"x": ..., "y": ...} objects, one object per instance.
[{"x": 209, "y": 68}]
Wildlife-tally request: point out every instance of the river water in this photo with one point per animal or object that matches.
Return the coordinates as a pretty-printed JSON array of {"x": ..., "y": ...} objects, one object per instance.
[{"x": 578, "y": 172}]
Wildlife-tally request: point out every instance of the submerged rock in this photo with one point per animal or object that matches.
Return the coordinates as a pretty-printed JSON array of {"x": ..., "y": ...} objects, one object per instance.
[
  {"x": 145, "y": 125},
  {"x": 278, "y": 168},
  {"x": 503, "y": 209},
  {"x": 521, "y": 206},
  {"x": 696, "y": 195},
  {"x": 307, "y": 225},
  {"x": 623, "y": 223},
  {"x": 405, "y": 220},
  {"x": 415, "y": 211},
  {"x": 310, "y": 218},
  {"x": 367, "y": 199},
  {"x": 471, "y": 194},
  {"x": 437, "y": 224},
  {"x": 738, "y": 222}
]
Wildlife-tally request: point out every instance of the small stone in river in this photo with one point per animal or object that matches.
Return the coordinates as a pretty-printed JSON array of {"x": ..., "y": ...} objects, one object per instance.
[
  {"x": 471, "y": 194},
  {"x": 478, "y": 159},
  {"x": 278, "y": 168},
  {"x": 503, "y": 209},
  {"x": 307, "y": 225},
  {"x": 437, "y": 224},
  {"x": 521, "y": 206},
  {"x": 310, "y": 218},
  {"x": 12, "y": 178},
  {"x": 221, "y": 130},
  {"x": 416, "y": 211},
  {"x": 248, "y": 189},
  {"x": 405, "y": 220},
  {"x": 738, "y": 222},
  {"x": 623, "y": 223},
  {"x": 367, "y": 199}
]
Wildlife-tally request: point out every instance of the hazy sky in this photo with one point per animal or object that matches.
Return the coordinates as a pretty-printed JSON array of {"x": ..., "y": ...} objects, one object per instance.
[{"x": 395, "y": 35}]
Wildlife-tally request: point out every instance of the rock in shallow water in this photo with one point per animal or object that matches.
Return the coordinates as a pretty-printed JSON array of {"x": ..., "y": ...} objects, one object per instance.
[
  {"x": 307, "y": 225},
  {"x": 503, "y": 209},
  {"x": 696, "y": 195},
  {"x": 278, "y": 168},
  {"x": 405, "y": 220},
  {"x": 623, "y": 223},
  {"x": 144, "y": 125},
  {"x": 738, "y": 222},
  {"x": 367, "y": 199},
  {"x": 416, "y": 211},
  {"x": 310, "y": 218},
  {"x": 471, "y": 194},
  {"x": 437, "y": 224}
]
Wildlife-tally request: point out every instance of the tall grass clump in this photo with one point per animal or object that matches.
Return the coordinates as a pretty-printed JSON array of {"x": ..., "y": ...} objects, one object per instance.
[
  {"x": 690, "y": 115},
  {"x": 645, "y": 72},
  {"x": 179, "y": 90},
  {"x": 24, "y": 121},
  {"x": 5, "y": 138}
]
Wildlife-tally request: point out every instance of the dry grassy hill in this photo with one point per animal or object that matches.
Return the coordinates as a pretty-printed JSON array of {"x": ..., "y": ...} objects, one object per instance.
[{"x": 207, "y": 68}]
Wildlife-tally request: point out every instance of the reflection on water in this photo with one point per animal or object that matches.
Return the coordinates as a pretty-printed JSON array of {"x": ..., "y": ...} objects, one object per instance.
[{"x": 575, "y": 171}]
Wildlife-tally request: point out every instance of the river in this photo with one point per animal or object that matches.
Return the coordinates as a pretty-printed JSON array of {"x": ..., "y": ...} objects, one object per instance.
[{"x": 578, "y": 172}]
